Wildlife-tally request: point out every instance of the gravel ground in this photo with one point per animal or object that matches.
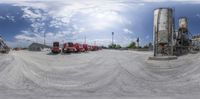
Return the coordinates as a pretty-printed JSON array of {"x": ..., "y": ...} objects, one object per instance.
[{"x": 102, "y": 74}]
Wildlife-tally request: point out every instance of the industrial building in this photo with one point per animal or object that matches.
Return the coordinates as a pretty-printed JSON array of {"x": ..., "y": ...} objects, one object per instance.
[
  {"x": 196, "y": 42},
  {"x": 3, "y": 47},
  {"x": 170, "y": 42},
  {"x": 37, "y": 47}
]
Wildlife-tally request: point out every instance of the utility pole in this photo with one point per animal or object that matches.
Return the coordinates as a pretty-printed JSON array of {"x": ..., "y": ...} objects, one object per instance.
[
  {"x": 112, "y": 38},
  {"x": 44, "y": 38},
  {"x": 138, "y": 40}
]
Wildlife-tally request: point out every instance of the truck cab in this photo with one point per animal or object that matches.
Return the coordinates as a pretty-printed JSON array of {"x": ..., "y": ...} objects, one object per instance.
[
  {"x": 68, "y": 47},
  {"x": 56, "y": 47},
  {"x": 79, "y": 47}
]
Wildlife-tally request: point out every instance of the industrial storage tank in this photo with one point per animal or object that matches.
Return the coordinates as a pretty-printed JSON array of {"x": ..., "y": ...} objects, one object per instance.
[
  {"x": 163, "y": 25},
  {"x": 183, "y": 24},
  {"x": 163, "y": 31}
]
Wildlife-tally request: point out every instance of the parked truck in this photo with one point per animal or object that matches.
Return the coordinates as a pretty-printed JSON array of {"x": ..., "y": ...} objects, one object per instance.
[
  {"x": 86, "y": 47},
  {"x": 68, "y": 47},
  {"x": 56, "y": 47},
  {"x": 79, "y": 47}
]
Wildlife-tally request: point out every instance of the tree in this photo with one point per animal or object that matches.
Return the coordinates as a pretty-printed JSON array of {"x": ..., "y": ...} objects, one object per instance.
[
  {"x": 146, "y": 46},
  {"x": 114, "y": 46},
  {"x": 118, "y": 46},
  {"x": 132, "y": 45},
  {"x": 150, "y": 44}
]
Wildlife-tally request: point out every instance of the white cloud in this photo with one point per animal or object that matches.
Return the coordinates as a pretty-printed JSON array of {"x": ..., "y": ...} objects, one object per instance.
[
  {"x": 127, "y": 31},
  {"x": 100, "y": 15},
  {"x": 30, "y": 14},
  {"x": 2, "y": 18},
  {"x": 29, "y": 3},
  {"x": 198, "y": 15},
  {"x": 7, "y": 17},
  {"x": 12, "y": 18},
  {"x": 105, "y": 19},
  {"x": 139, "y": 1},
  {"x": 81, "y": 30},
  {"x": 24, "y": 37}
]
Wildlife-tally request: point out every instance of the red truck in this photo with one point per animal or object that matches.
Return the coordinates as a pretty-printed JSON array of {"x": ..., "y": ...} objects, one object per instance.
[
  {"x": 68, "y": 47},
  {"x": 86, "y": 47},
  {"x": 56, "y": 48},
  {"x": 79, "y": 47},
  {"x": 89, "y": 48}
]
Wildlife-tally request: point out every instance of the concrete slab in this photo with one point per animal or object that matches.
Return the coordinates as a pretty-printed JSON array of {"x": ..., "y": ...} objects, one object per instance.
[
  {"x": 193, "y": 52},
  {"x": 163, "y": 58}
]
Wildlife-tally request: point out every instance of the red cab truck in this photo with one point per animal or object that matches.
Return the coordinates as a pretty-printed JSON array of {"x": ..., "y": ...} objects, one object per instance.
[
  {"x": 68, "y": 47},
  {"x": 79, "y": 47},
  {"x": 56, "y": 48},
  {"x": 85, "y": 46}
]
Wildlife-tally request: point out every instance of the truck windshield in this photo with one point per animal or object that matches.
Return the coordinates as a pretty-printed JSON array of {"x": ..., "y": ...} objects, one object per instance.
[
  {"x": 56, "y": 44},
  {"x": 70, "y": 44}
]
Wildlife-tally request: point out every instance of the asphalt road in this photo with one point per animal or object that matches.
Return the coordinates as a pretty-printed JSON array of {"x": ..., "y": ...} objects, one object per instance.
[{"x": 105, "y": 73}]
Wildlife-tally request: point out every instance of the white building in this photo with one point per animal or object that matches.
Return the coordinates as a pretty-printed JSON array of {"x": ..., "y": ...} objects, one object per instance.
[{"x": 37, "y": 47}]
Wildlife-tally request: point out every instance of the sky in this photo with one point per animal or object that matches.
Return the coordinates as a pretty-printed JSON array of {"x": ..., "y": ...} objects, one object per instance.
[{"x": 23, "y": 22}]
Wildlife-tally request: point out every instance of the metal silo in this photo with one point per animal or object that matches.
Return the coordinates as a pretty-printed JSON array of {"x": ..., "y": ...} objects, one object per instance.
[
  {"x": 183, "y": 23},
  {"x": 163, "y": 31},
  {"x": 183, "y": 28},
  {"x": 183, "y": 40}
]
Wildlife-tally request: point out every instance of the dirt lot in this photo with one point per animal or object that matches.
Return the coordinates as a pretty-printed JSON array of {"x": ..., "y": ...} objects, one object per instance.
[{"x": 105, "y": 73}]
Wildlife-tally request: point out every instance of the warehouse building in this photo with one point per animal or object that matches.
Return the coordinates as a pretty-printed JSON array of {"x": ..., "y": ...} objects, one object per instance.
[{"x": 37, "y": 47}]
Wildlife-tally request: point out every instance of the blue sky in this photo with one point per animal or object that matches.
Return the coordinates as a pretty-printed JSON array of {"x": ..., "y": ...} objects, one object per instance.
[{"x": 24, "y": 22}]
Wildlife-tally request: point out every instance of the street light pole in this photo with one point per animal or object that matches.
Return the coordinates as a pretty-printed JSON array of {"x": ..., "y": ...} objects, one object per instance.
[
  {"x": 138, "y": 40},
  {"x": 112, "y": 38}
]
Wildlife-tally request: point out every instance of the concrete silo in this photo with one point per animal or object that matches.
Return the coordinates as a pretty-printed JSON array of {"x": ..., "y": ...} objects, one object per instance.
[{"x": 163, "y": 33}]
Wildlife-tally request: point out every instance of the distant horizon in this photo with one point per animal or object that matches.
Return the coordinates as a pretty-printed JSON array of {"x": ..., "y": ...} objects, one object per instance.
[{"x": 24, "y": 22}]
